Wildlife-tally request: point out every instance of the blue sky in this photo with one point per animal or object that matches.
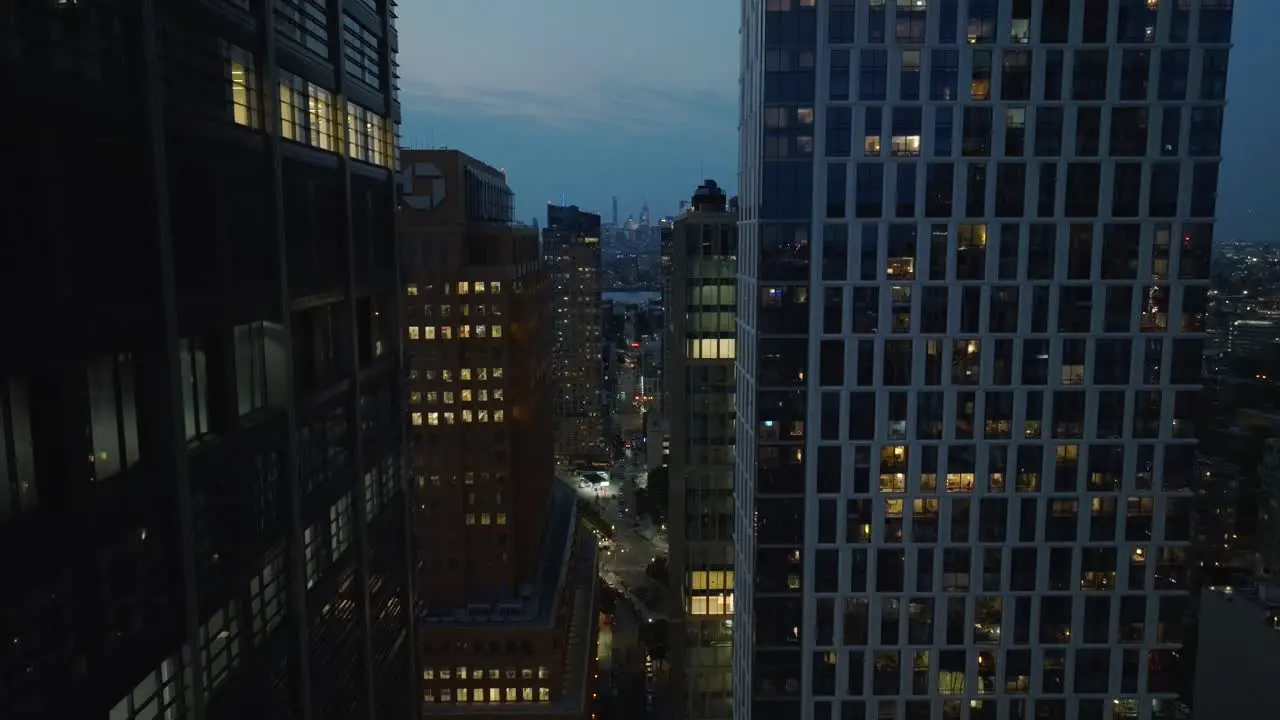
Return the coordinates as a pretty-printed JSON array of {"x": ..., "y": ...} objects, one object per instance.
[{"x": 587, "y": 99}]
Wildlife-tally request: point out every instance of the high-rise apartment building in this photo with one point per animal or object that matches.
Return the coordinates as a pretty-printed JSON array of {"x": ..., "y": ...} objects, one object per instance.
[
  {"x": 505, "y": 579},
  {"x": 974, "y": 245},
  {"x": 201, "y": 427},
  {"x": 571, "y": 246},
  {"x": 701, "y": 338}
]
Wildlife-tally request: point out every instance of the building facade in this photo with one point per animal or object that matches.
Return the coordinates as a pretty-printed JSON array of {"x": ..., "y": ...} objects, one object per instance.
[
  {"x": 701, "y": 339},
  {"x": 505, "y": 581},
  {"x": 571, "y": 247},
  {"x": 210, "y": 458},
  {"x": 973, "y": 264}
]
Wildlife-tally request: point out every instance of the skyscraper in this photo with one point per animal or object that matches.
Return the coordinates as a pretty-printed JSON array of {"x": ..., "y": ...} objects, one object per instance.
[
  {"x": 201, "y": 506},
  {"x": 698, "y": 399},
  {"x": 506, "y": 580},
  {"x": 571, "y": 247},
  {"x": 974, "y": 246}
]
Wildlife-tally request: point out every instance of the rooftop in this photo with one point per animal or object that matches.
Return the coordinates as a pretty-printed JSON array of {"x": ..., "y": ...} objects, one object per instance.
[{"x": 536, "y": 602}]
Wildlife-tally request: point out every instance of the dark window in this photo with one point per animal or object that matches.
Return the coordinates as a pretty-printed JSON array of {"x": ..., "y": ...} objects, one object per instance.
[
  {"x": 1213, "y": 75},
  {"x": 1047, "y": 192},
  {"x": 1174, "y": 65},
  {"x": 839, "y": 82},
  {"x": 1082, "y": 189},
  {"x": 1128, "y": 132},
  {"x": 1089, "y": 77},
  {"x": 1204, "y": 189},
  {"x": 939, "y": 190},
  {"x": 975, "y": 197},
  {"x": 1206, "y": 132},
  {"x": 1135, "y": 74},
  {"x": 839, "y": 131},
  {"x": 1095, "y": 21},
  {"x": 873, "y": 75},
  {"x": 837, "y": 184},
  {"x": 1088, "y": 130},
  {"x": 1170, "y": 131},
  {"x": 1053, "y": 75},
  {"x": 869, "y": 190},
  {"x": 1126, "y": 192},
  {"x": 944, "y": 75},
  {"x": 1215, "y": 21},
  {"x": 943, "y": 131},
  {"x": 1041, "y": 248},
  {"x": 835, "y": 249},
  {"x": 1164, "y": 190},
  {"x": 905, "y": 206},
  {"x": 976, "y": 131},
  {"x": 841, "y": 23},
  {"x": 1055, "y": 20},
  {"x": 948, "y": 20},
  {"x": 1011, "y": 181},
  {"x": 1048, "y": 131},
  {"x": 1016, "y": 81}
]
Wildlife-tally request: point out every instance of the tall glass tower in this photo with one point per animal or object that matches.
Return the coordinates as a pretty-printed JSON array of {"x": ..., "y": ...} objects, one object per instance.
[{"x": 974, "y": 245}]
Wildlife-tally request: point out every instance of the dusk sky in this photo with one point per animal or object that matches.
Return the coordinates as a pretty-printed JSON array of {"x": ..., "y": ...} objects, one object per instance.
[{"x": 584, "y": 100}]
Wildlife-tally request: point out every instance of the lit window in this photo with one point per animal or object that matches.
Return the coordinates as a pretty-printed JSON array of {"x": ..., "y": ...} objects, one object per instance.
[
  {"x": 466, "y": 416},
  {"x": 415, "y": 398},
  {"x": 429, "y": 332},
  {"x": 871, "y": 145},
  {"x": 412, "y": 290},
  {"x": 495, "y": 695},
  {"x": 482, "y": 395},
  {"x": 485, "y": 519},
  {"x": 433, "y": 418},
  {"x": 413, "y": 332},
  {"x": 448, "y": 397},
  {"x": 462, "y": 694},
  {"x": 495, "y": 331},
  {"x": 908, "y": 145},
  {"x": 544, "y": 694},
  {"x": 464, "y": 331},
  {"x": 482, "y": 374},
  {"x": 244, "y": 107},
  {"x": 481, "y": 331},
  {"x": 498, "y": 416},
  {"x": 470, "y": 519},
  {"x": 527, "y": 674},
  {"x": 446, "y": 674},
  {"x": 446, "y": 696},
  {"x": 464, "y": 287},
  {"x": 698, "y": 606},
  {"x": 417, "y": 418},
  {"x": 448, "y": 418},
  {"x": 429, "y": 674},
  {"x": 478, "y": 287},
  {"x": 497, "y": 373},
  {"x": 493, "y": 674},
  {"x": 482, "y": 416},
  {"x": 497, "y": 394},
  {"x": 432, "y": 397},
  {"x": 466, "y": 394},
  {"x": 501, "y": 519},
  {"x": 511, "y": 694},
  {"x": 464, "y": 374},
  {"x": 446, "y": 332},
  {"x": 495, "y": 287}
]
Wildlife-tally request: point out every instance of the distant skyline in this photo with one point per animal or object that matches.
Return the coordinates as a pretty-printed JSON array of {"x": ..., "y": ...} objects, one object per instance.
[{"x": 588, "y": 100}]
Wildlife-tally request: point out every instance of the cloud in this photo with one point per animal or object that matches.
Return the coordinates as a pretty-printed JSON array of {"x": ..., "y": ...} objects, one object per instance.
[{"x": 631, "y": 108}]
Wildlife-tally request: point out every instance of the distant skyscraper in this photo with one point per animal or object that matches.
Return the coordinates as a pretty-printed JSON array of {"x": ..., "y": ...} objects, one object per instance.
[
  {"x": 967, "y": 372},
  {"x": 699, "y": 390},
  {"x": 201, "y": 480},
  {"x": 505, "y": 581},
  {"x": 571, "y": 246},
  {"x": 615, "y": 211}
]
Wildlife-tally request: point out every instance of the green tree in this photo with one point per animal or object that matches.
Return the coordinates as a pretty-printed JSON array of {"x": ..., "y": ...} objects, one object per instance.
[{"x": 657, "y": 496}]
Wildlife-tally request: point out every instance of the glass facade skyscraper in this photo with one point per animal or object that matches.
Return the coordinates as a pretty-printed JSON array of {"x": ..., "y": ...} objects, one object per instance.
[{"x": 974, "y": 249}]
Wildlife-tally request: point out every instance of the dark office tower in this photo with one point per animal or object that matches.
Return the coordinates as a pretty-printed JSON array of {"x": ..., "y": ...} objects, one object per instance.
[
  {"x": 505, "y": 580},
  {"x": 201, "y": 506},
  {"x": 975, "y": 235},
  {"x": 701, "y": 342},
  {"x": 571, "y": 246}
]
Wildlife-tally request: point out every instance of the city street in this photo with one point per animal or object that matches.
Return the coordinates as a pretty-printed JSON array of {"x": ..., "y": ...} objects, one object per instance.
[{"x": 623, "y": 565}]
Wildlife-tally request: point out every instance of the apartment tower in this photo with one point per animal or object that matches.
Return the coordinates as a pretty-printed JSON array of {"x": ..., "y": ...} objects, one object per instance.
[
  {"x": 505, "y": 580},
  {"x": 571, "y": 246},
  {"x": 701, "y": 341},
  {"x": 975, "y": 238},
  {"x": 201, "y": 436}
]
